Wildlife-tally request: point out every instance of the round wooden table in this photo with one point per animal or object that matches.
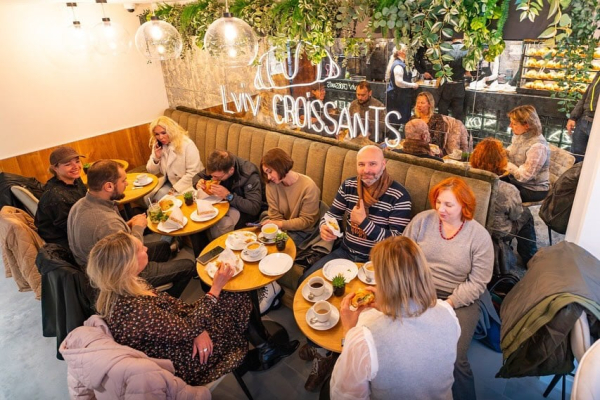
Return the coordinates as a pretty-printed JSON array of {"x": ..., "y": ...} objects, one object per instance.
[
  {"x": 330, "y": 339},
  {"x": 123, "y": 163},
  {"x": 192, "y": 226},
  {"x": 250, "y": 278},
  {"x": 133, "y": 192}
]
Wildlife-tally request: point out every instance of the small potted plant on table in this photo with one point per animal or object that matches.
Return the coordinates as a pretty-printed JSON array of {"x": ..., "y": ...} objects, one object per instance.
[
  {"x": 189, "y": 198},
  {"x": 339, "y": 285},
  {"x": 281, "y": 240}
]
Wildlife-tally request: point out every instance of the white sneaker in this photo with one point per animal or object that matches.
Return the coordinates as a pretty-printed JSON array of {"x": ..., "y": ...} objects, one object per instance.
[{"x": 269, "y": 297}]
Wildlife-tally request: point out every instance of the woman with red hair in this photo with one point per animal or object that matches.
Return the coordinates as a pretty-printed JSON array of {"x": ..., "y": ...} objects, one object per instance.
[{"x": 460, "y": 253}]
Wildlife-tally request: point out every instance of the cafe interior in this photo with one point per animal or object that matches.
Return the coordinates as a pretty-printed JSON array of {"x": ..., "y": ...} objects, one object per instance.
[{"x": 65, "y": 84}]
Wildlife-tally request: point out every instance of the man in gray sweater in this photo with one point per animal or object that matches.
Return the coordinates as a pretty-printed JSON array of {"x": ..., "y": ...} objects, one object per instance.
[{"x": 96, "y": 216}]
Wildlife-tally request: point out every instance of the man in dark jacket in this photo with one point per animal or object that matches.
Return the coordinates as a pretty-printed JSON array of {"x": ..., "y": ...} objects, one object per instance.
[
  {"x": 63, "y": 190},
  {"x": 235, "y": 180},
  {"x": 581, "y": 119}
]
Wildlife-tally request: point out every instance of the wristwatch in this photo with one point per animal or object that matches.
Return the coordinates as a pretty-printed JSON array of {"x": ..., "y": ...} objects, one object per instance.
[{"x": 229, "y": 197}]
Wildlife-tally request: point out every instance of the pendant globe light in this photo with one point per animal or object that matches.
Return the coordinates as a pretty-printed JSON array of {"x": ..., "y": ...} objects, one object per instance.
[
  {"x": 158, "y": 40},
  {"x": 231, "y": 41},
  {"x": 75, "y": 38},
  {"x": 109, "y": 37}
]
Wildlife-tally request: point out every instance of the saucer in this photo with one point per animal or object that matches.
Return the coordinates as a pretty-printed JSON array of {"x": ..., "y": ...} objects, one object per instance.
[
  {"x": 363, "y": 277},
  {"x": 323, "y": 326},
  {"x": 206, "y": 217},
  {"x": 145, "y": 182},
  {"x": 340, "y": 266},
  {"x": 233, "y": 245},
  {"x": 327, "y": 292},
  {"x": 262, "y": 239},
  {"x": 246, "y": 257},
  {"x": 161, "y": 226}
]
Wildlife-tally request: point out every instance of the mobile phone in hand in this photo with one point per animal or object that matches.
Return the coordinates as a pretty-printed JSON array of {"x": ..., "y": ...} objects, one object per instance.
[
  {"x": 206, "y": 257},
  {"x": 158, "y": 144}
]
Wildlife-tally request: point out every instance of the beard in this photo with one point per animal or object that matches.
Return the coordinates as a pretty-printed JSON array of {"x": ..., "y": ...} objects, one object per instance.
[
  {"x": 117, "y": 196},
  {"x": 370, "y": 179}
]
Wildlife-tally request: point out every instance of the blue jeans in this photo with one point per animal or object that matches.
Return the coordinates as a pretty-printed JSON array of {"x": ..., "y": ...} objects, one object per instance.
[
  {"x": 340, "y": 252},
  {"x": 581, "y": 135}
]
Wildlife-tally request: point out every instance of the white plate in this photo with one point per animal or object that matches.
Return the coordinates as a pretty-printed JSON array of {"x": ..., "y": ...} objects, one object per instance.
[
  {"x": 233, "y": 245},
  {"x": 363, "y": 277},
  {"x": 203, "y": 218},
  {"x": 327, "y": 292},
  {"x": 246, "y": 257},
  {"x": 340, "y": 266},
  {"x": 142, "y": 183},
  {"x": 334, "y": 317},
  {"x": 275, "y": 264},
  {"x": 211, "y": 268},
  {"x": 176, "y": 202},
  {"x": 161, "y": 226},
  {"x": 263, "y": 239}
]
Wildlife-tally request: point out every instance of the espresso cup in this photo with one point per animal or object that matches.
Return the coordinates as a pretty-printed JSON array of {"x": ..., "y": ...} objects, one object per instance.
[
  {"x": 254, "y": 249},
  {"x": 142, "y": 177},
  {"x": 322, "y": 310},
  {"x": 369, "y": 270},
  {"x": 269, "y": 231},
  {"x": 316, "y": 286}
]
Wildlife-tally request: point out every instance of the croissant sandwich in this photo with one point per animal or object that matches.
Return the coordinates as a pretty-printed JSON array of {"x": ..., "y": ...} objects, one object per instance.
[{"x": 362, "y": 297}]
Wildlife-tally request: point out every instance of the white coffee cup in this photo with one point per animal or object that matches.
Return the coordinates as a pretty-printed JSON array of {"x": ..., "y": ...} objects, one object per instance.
[
  {"x": 316, "y": 285},
  {"x": 269, "y": 231},
  {"x": 142, "y": 177},
  {"x": 254, "y": 249},
  {"x": 322, "y": 310},
  {"x": 369, "y": 270}
]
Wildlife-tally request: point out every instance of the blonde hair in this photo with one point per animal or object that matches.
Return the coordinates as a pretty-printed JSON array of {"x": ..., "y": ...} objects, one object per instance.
[
  {"x": 113, "y": 269},
  {"x": 431, "y": 102},
  {"x": 388, "y": 70},
  {"x": 176, "y": 133},
  {"x": 527, "y": 115},
  {"x": 403, "y": 278}
]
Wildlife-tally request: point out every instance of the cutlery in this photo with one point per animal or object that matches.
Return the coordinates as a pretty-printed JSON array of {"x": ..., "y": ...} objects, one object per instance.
[
  {"x": 314, "y": 321},
  {"x": 253, "y": 224}
]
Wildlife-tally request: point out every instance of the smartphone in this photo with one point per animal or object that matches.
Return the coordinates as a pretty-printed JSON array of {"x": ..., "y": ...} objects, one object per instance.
[
  {"x": 158, "y": 144},
  {"x": 206, "y": 257}
]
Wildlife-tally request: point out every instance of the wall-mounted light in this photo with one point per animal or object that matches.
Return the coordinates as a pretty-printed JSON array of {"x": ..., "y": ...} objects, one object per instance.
[
  {"x": 75, "y": 38},
  {"x": 109, "y": 37},
  {"x": 158, "y": 40},
  {"x": 231, "y": 41}
]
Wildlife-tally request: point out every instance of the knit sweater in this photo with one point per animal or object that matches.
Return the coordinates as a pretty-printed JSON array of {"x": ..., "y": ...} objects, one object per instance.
[
  {"x": 386, "y": 218},
  {"x": 462, "y": 266},
  {"x": 92, "y": 219},
  {"x": 297, "y": 205},
  {"x": 529, "y": 157}
]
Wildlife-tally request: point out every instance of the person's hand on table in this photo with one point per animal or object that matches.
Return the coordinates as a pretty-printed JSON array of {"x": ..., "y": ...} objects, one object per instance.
[
  {"x": 570, "y": 126},
  {"x": 270, "y": 221},
  {"x": 326, "y": 233},
  {"x": 138, "y": 220},
  {"x": 358, "y": 213},
  {"x": 220, "y": 279},
  {"x": 219, "y": 191},
  {"x": 203, "y": 346}
]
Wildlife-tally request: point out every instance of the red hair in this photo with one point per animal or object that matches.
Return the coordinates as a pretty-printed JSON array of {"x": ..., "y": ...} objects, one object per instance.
[{"x": 461, "y": 190}]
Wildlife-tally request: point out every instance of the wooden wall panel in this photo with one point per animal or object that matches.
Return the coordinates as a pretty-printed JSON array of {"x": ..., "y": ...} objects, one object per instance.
[{"x": 129, "y": 144}]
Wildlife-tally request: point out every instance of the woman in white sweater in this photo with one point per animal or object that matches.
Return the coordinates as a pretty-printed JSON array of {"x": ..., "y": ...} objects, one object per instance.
[
  {"x": 405, "y": 346},
  {"x": 174, "y": 155}
]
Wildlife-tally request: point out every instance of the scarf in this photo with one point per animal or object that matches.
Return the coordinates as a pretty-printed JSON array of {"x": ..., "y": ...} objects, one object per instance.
[
  {"x": 370, "y": 196},
  {"x": 416, "y": 147}
]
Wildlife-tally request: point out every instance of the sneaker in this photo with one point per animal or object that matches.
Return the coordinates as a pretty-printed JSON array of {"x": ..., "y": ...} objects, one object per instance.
[
  {"x": 307, "y": 352},
  {"x": 321, "y": 370},
  {"x": 268, "y": 295}
]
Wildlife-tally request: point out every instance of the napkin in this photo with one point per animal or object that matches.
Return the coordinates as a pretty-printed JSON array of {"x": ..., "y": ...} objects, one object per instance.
[
  {"x": 226, "y": 257},
  {"x": 456, "y": 154},
  {"x": 204, "y": 208},
  {"x": 242, "y": 238},
  {"x": 212, "y": 199},
  {"x": 175, "y": 220},
  {"x": 334, "y": 225}
]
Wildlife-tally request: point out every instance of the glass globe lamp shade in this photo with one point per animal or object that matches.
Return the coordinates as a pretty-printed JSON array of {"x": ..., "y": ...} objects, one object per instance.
[
  {"x": 231, "y": 42},
  {"x": 76, "y": 40},
  {"x": 158, "y": 40},
  {"x": 110, "y": 38}
]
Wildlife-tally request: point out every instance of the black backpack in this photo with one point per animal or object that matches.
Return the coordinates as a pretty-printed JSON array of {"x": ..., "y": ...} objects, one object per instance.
[{"x": 556, "y": 208}]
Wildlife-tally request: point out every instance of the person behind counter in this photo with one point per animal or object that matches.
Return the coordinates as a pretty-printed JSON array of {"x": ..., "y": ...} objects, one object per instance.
[
  {"x": 425, "y": 110},
  {"x": 528, "y": 155},
  {"x": 174, "y": 155},
  {"x": 388, "y": 349},
  {"x": 204, "y": 341},
  {"x": 510, "y": 217},
  {"x": 316, "y": 92},
  {"x": 452, "y": 94},
  {"x": 417, "y": 140},
  {"x": 400, "y": 89},
  {"x": 460, "y": 253},
  {"x": 581, "y": 119},
  {"x": 365, "y": 100}
]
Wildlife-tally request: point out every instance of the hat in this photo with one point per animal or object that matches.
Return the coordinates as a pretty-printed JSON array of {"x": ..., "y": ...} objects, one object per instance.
[{"x": 62, "y": 155}]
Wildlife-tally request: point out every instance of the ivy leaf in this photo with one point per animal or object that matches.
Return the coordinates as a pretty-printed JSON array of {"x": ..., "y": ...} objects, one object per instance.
[
  {"x": 391, "y": 24},
  {"x": 553, "y": 7},
  {"x": 477, "y": 23},
  {"x": 446, "y": 46},
  {"x": 447, "y": 32},
  {"x": 548, "y": 33},
  {"x": 565, "y": 20}
]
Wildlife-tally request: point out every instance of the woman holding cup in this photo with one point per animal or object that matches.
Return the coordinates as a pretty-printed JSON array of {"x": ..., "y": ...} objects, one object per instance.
[{"x": 388, "y": 348}]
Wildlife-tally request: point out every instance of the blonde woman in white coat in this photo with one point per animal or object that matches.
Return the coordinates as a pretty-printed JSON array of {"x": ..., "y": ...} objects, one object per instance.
[{"x": 174, "y": 155}]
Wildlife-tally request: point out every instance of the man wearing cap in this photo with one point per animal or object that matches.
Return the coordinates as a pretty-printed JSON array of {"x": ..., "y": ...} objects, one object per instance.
[{"x": 63, "y": 190}]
